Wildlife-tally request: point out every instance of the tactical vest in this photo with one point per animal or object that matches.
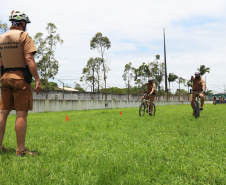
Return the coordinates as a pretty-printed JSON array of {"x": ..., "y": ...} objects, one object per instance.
[{"x": 11, "y": 49}]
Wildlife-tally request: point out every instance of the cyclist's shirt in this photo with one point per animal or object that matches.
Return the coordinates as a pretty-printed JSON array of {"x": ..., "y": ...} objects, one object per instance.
[
  {"x": 198, "y": 84},
  {"x": 150, "y": 87}
]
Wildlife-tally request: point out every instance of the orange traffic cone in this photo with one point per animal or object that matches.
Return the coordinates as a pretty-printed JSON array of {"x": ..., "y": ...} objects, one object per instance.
[
  {"x": 67, "y": 119},
  {"x": 120, "y": 113}
]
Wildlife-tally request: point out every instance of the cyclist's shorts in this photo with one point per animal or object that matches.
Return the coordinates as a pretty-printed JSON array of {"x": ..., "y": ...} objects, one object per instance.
[{"x": 16, "y": 93}]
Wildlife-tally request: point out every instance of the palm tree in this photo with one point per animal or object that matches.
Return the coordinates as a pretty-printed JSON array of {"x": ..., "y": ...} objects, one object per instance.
[
  {"x": 189, "y": 84},
  {"x": 203, "y": 70},
  {"x": 183, "y": 81},
  {"x": 172, "y": 77}
]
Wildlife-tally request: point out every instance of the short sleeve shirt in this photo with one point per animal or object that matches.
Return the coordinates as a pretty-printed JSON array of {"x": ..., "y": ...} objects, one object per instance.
[
  {"x": 26, "y": 41},
  {"x": 150, "y": 87}
]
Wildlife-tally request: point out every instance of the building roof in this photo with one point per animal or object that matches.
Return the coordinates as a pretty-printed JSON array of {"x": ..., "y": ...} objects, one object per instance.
[{"x": 66, "y": 89}]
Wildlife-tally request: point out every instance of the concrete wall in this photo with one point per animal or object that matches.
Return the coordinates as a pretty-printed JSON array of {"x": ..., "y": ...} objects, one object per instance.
[
  {"x": 61, "y": 95},
  {"x": 69, "y": 105}
]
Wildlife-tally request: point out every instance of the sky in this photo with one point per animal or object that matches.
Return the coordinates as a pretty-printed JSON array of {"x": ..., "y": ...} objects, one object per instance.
[{"x": 195, "y": 32}]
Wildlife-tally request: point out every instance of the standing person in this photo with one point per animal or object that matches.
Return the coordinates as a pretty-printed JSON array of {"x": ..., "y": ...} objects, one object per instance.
[
  {"x": 16, "y": 50},
  {"x": 151, "y": 92},
  {"x": 220, "y": 100},
  {"x": 197, "y": 87},
  {"x": 223, "y": 99}
]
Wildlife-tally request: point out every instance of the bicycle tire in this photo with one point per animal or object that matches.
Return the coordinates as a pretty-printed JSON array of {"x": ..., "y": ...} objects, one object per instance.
[
  {"x": 142, "y": 109},
  {"x": 153, "y": 110},
  {"x": 147, "y": 108},
  {"x": 197, "y": 110}
]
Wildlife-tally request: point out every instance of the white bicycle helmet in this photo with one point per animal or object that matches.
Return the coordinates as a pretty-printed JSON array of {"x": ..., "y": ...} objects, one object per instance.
[
  {"x": 197, "y": 73},
  {"x": 19, "y": 16}
]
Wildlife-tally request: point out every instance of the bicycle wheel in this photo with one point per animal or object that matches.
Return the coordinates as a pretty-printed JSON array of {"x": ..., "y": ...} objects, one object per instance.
[
  {"x": 153, "y": 110},
  {"x": 147, "y": 109},
  {"x": 197, "y": 110},
  {"x": 142, "y": 109}
]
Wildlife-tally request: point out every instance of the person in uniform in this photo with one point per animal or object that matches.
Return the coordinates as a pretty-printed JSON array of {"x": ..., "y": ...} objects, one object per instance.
[
  {"x": 17, "y": 49},
  {"x": 220, "y": 99},
  {"x": 197, "y": 87},
  {"x": 223, "y": 99},
  {"x": 151, "y": 92}
]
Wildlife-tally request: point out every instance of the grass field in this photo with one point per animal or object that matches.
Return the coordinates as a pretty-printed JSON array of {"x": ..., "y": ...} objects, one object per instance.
[{"x": 104, "y": 147}]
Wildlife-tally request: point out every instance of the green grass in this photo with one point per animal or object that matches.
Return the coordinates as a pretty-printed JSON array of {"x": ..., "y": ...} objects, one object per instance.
[{"x": 104, "y": 147}]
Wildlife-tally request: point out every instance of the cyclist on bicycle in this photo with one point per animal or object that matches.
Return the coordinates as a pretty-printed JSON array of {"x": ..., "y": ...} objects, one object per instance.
[
  {"x": 214, "y": 98},
  {"x": 197, "y": 87},
  {"x": 151, "y": 92}
]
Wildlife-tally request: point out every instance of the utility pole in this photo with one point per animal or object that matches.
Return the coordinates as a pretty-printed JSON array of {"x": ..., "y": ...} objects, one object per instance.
[
  {"x": 205, "y": 83},
  {"x": 63, "y": 88},
  {"x": 166, "y": 90}
]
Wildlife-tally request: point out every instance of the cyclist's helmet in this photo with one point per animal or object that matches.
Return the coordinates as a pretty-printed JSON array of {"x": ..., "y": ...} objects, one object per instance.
[
  {"x": 150, "y": 81},
  {"x": 19, "y": 16},
  {"x": 197, "y": 73}
]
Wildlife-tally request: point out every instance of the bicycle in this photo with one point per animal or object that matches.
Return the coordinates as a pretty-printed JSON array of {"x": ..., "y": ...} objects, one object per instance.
[
  {"x": 197, "y": 109},
  {"x": 145, "y": 105}
]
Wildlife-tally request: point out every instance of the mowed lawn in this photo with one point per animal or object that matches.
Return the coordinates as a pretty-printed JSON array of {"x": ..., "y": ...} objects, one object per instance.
[{"x": 104, "y": 147}]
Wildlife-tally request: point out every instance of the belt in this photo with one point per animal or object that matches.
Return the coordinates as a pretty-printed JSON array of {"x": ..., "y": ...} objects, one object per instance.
[{"x": 14, "y": 69}]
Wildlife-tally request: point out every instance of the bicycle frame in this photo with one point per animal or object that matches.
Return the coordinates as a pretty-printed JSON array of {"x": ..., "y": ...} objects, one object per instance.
[{"x": 196, "y": 109}]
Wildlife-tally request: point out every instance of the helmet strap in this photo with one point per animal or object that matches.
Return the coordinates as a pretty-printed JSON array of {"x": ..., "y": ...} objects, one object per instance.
[{"x": 25, "y": 26}]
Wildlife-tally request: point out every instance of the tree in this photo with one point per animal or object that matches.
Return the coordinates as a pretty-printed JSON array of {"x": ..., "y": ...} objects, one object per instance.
[
  {"x": 141, "y": 74},
  {"x": 79, "y": 88},
  {"x": 189, "y": 84},
  {"x": 47, "y": 65},
  {"x": 171, "y": 78},
  {"x": 203, "y": 69},
  {"x": 3, "y": 27},
  {"x": 91, "y": 73},
  {"x": 181, "y": 92},
  {"x": 51, "y": 85},
  {"x": 128, "y": 75},
  {"x": 157, "y": 71},
  {"x": 101, "y": 44},
  {"x": 208, "y": 92},
  {"x": 181, "y": 80}
]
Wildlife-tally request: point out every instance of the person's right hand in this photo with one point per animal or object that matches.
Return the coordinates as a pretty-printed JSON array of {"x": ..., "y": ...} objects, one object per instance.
[{"x": 37, "y": 88}]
